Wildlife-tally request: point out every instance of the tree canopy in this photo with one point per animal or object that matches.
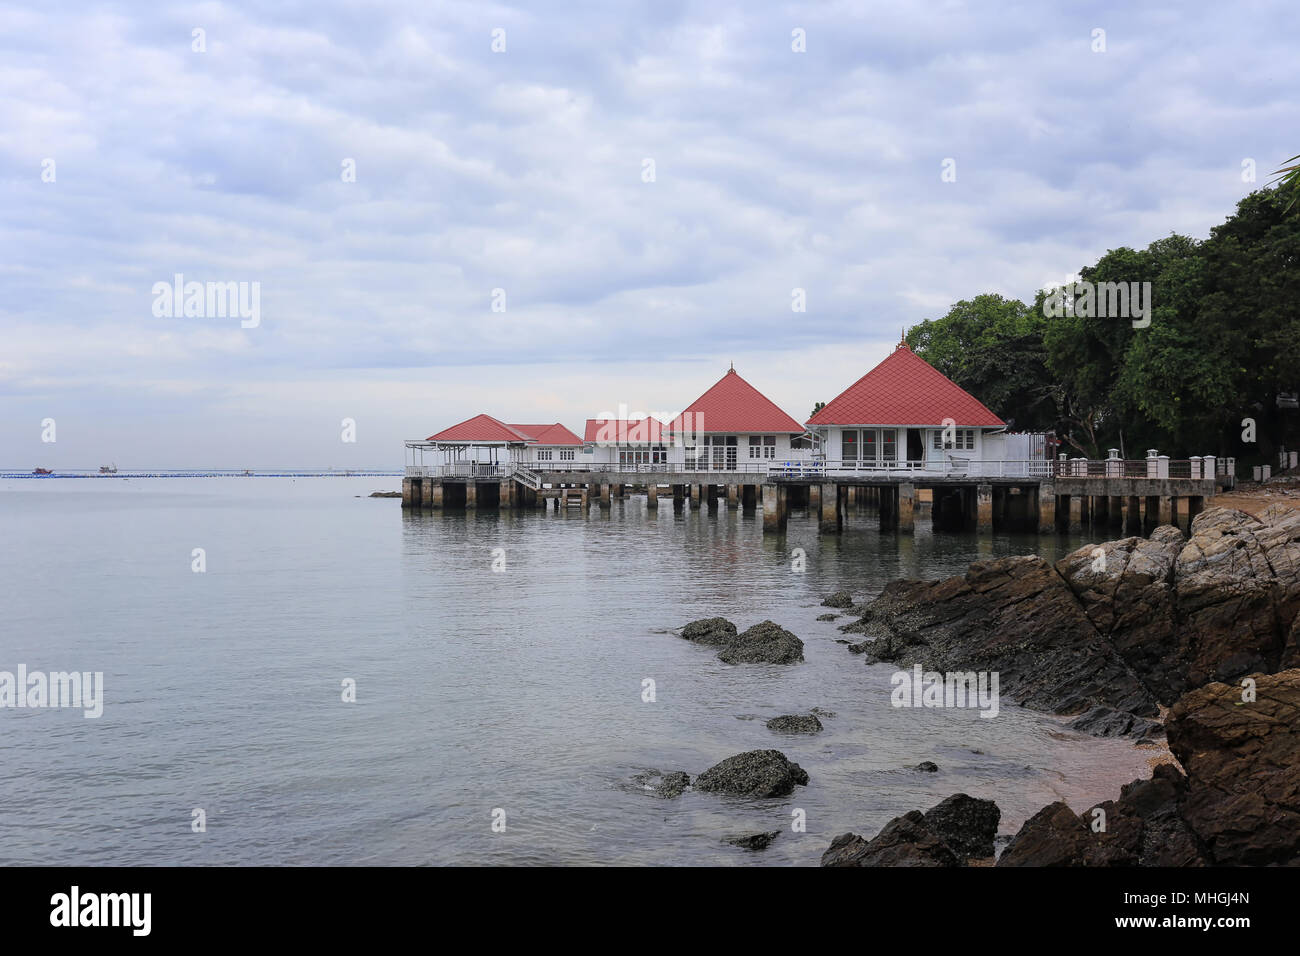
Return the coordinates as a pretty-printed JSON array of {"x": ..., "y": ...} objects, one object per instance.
[{"x": 1222, "y": 343}]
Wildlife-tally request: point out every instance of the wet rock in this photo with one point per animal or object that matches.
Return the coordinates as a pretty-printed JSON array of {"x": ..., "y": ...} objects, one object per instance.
[
  {"x": 839, "y": 599},
  {"x": 385, "y": 494},
  {"x": 710, "y": 630},
  {"x": 1014, "y": 616},
  {"x": 765, "y": 643},
  {"x": 904, "y": 841},
  {"x": 1108, "y": 722},
  {"x": 967, "y": 825},
  {"x": 1143, "y": 828},
  {"x": 827, "y": 617},
  {"x": 795, "y": 724},
  {"x": 822, "y": 712},
  {"x": 1243, "y": 769},
  {"x": 666, "y": 785},
  {"x": 755, "y": 773},
  {"x": 753, "y": 841}
]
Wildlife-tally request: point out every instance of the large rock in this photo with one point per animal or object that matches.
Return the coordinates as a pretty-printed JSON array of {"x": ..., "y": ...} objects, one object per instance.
[
  {"x": 966, "y": 824},
  {"x": 755, "y": 773},
  {"x": 1014, "y": 616},
  {"x": 764, "y": 643},
  {"x": 904, "y": 841},
  {"x": 1243, "y": 769},
  {"x": 950, "y": 833},
  {"x": 1238, "y": 592},
  {"x": 1112, "y": 629}
]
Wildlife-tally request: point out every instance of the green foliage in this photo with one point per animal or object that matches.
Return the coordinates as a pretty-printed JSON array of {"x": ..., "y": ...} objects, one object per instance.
[{"x": 1223, "y": 341}]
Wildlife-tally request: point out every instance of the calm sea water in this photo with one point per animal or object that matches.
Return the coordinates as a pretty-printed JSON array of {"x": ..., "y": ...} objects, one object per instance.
[{"x": 476, "y": 690}]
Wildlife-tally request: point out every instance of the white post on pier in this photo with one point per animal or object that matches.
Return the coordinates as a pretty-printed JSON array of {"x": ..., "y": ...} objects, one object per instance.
[
  {"x": 1195, "y": 462},
  {"x": 1153, "y": 463},
  {"x": 1114, "y": 467}
]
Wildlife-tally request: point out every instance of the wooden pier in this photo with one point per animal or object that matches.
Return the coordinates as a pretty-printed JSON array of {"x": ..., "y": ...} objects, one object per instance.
[{"x": 1065, "y": 497}]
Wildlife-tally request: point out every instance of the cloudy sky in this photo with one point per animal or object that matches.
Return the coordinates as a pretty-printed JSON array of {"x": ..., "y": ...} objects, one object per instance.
[{"x": 645, "y": 185}]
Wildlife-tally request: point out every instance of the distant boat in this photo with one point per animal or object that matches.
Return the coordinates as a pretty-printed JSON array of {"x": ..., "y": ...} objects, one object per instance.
[
  {"x": 247, "y": 473},
  {"x": 42, "y": 471},
  {"x": 108, "y": 469}
]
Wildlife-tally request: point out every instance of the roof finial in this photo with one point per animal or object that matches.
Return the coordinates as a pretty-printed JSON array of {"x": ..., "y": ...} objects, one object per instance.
[{"x": 902, "y": 338}]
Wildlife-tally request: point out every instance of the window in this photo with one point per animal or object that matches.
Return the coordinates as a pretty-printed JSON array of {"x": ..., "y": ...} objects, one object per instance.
[
  {"x": 659, "y": 454},
  {"x": 869, "y": 444},
  {"x": 957, "y": 438},
  {"x": 849, "y": 445},
  {"x": 544, "y": 454},
  {"x": 566, "y": 454},
  {"x": 755, "y": 446},
  {"x": 889, "y": 444}
]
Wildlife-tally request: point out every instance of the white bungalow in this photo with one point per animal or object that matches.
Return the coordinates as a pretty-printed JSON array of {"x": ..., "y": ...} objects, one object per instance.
[
  {"x": 627, "y": 443},
  {"x": 907, "y": 415},
  {"x": 735, "y": 427},
  {"x": 485, "y": 446}
]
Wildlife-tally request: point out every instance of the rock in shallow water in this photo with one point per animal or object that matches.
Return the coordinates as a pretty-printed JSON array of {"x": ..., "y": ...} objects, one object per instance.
[
  {"x": 960, "y": 828},
  {"x": 753, "y": 841},
  {"x": 838, "y": 599},
  {"x": 765, "y": 643},
  {"x": 710, "y": 630},
  {"x": 755, "y": 773},
  {"x": 795, "y": 724}
]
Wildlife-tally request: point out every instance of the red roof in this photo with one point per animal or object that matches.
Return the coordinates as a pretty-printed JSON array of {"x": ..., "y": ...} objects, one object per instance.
[
  {"x": 905, "y": 389},
  {"x": 480, "y": 428},
  {"x": 555, "y": 434},
  {"x": 733, "y": 405},
  {"x": 625, "y": 431}
]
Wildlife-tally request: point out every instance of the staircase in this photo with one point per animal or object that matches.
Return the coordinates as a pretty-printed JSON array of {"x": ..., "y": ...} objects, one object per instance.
[{"x": 525, "y": 477}]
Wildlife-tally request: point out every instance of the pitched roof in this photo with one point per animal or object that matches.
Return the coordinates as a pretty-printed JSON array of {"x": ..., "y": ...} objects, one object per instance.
[
  {"x": 905, "y": 389},
  {"x": 624, "y": 431},
  {"x": 480, "y": 428},
  {"x": 733, "y": 405},
  {"x": 555, "y": 434}
]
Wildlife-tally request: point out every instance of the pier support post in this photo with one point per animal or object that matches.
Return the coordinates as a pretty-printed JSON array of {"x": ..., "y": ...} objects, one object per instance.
[
  {"x": 831, "y": 518},
  {"x": 652, "y": 496},
  {"x": 984, "y": 509},
  {"x": 774, "y": 497},
  {"x": 407, "y": 485},
  {"x": 906, "y": 508},
  {"x": 733, "y": 496},
  {"x": 434, "y": 498},
  {"x": 604, "y": 495},
  {"x": 679, "y": 497},
  {"x": 814, "y": 497},
  {"x": 1046, "y": 507},
  {"x": 471, "y": 494},
  {"x": 711, "y": 497},
  {"x": 506, "y": 494},
  {"x": 1133, "y": 517},
  {"x": 1076, "y": 512},
  {"x": 1166, "y": 509},
  {"x": 1116, "y": 510},
  {"x": 697, "y": 494}
]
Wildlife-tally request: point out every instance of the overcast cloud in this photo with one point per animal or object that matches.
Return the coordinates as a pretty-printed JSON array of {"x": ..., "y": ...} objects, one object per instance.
[{"x": 522, "y": 170}]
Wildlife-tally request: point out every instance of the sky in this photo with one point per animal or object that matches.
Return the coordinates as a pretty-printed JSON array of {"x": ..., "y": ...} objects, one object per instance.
[{"x": 555, "y": 211}]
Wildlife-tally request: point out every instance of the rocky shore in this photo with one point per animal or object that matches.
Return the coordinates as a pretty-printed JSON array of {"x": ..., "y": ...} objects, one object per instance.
[{"x": 1205, "y": 629}]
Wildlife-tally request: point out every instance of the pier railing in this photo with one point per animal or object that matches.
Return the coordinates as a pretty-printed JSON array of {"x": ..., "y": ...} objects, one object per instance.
[{"x": 533, "y": 474}]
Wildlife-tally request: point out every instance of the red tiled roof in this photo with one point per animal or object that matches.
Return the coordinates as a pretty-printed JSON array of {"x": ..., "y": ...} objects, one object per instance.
[
  {"x": 905, "y": 389},
  {"x": 555, "y": 434},
  {"x": 480, "y": 428},
  {"x": 733, "y": 405},
  {"x": 625, "y": 431}
]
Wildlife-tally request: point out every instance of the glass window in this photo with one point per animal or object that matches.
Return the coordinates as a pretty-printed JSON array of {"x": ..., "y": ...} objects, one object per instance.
[
  {"x": 869, "y": 444},
  {"x": 889, "y": 444},
  {"x": 849, "y": 445}
]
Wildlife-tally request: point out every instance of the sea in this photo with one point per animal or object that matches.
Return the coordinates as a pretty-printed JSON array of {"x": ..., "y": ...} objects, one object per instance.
[{"x": 296, "y": 673}]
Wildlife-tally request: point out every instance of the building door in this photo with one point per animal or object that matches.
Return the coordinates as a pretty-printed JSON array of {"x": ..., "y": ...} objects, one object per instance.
[
  {"x": 915, "y": 445},
  {"x": 732, "y": 449}
]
